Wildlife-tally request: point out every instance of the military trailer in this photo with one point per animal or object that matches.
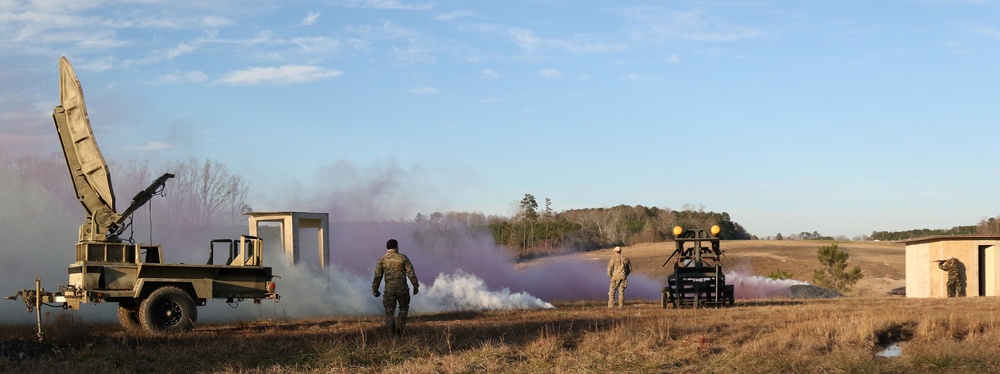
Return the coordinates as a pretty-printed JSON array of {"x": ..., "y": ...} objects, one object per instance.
[
  {"x": 697, "y": 280},
  {"x": 153, "y": 296}
]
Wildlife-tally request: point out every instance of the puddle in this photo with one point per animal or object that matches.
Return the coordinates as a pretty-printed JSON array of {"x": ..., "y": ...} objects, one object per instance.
[{"x": 893, "y": 350}]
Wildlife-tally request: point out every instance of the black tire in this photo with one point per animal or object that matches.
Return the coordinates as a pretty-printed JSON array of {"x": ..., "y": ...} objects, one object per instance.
[
  {"x": 128, "y": 317},
  {"x": 663, "y": 300},
  {"x": 168, "y": 310}
]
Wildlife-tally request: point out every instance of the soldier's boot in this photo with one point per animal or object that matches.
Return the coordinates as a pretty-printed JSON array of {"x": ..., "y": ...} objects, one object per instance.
[
  {"x": 402, "y": 322},
  {"x": 390, "y": 323}
]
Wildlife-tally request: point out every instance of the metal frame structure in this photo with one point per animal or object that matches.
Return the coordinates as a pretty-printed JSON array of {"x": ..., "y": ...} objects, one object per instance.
[{"x": 697, "y": 280}]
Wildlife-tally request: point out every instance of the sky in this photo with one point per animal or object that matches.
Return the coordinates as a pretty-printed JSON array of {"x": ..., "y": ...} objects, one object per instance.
[{"x": 841, "y": 118}]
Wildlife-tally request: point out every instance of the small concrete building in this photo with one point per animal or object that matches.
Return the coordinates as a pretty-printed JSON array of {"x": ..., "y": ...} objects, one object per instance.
[
  {"x": 976, "y": 253},
  {"x": 290, "y": 225}
]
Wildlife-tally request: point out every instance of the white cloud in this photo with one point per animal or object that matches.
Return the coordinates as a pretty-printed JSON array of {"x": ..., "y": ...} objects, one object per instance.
[
  {"x": 636, "y": 77},
  {"x": 413, "y": 53},
  {"x": 426, "y": 90},
  {"x": 490, "y": 100},
  {"x": 989, "y": 32},
  {"x": 450, "y": 16},
  {"x": 152, "y": 145},
  {"x": 216, "y": 21},
  {"x": 287, "y": 74},
  {"x": 191, "y": 76},
  {"x": 689, "y": 25},
  {"x": 524, "y": 39},
  {"x": 384, "y": 4},
  {"x": 489, "y": 73},
  {"x": 549, "y": 73},
  {"x": 317, "y": 44},
  {"x": 673, "y": 59},
  {"x": 405, "y": 45},
  {"x": 182, "y": 49},
  {"x": 102, "y": 64},
  {"x": 310, "y": 19},
  {"x": 527, "y": 40}
]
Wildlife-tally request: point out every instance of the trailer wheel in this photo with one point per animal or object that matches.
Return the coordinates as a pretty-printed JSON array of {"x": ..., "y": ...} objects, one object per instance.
[
  {"x": 663, "y": 300},
  {"x": 168, "y": 310},
  {"x": 128, "y": 317}
]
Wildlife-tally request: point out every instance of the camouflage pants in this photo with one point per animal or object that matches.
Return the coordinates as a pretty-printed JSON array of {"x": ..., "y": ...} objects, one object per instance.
[
  {"x": 617, "y": 286},
  {"x": 389, "y": 300},
  {"x": 954, "y": 288}
]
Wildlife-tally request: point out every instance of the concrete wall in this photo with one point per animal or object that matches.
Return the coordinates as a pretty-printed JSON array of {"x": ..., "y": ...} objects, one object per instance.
[
  {"x": 918, "y": 270},
  {"x": 978, "y": 255},
  {"x": 291, "y": 223}
]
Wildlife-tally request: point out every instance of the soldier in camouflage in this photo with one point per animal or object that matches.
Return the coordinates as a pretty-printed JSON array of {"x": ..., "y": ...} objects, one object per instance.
[
  {"x": 951, "y": 265},
  {"x": 618, "y": 270},
  {"x": 396, "y": 268}
]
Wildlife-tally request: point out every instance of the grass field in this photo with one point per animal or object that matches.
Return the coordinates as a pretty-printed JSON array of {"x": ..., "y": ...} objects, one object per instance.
[
  {"x": 754, "y": 336},
  {"x": 882, "y": 263}
]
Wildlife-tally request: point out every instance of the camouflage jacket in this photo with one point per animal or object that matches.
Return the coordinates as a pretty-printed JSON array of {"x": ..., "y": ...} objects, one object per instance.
[
  {"x": 395, "y": 267},
  {"x": 951, "y": 266},
  {"x": 619, "y": 267}
]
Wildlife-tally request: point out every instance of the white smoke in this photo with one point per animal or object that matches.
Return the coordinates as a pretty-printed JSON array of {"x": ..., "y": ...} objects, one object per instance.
[
  {"x": 750, "y": 287},
  {"x": 311, "y": 294},
  {"x": 463, "y": 291}
]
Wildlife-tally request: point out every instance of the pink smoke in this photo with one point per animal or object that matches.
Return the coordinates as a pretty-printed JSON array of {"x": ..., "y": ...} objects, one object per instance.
[{"x": 443, "y": 249}]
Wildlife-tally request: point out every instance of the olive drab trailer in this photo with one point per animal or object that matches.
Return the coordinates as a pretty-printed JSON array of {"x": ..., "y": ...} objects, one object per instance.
[
  {"x": 153, "y": 296},
  {"x": 697, "y": 279}
]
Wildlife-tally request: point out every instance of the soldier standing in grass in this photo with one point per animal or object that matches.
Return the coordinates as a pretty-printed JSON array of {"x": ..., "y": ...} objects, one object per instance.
[
  {"x": 951, "y": 265},
  {"x": 618, "y": 270},
  {"x": 396, "y": 268}
]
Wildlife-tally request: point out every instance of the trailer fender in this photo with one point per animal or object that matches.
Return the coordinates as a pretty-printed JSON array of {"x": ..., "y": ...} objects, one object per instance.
[{"x": 199, "y": 289}]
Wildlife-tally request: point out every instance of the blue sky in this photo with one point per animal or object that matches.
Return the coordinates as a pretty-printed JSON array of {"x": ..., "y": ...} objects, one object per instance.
[{"x": 839, "y": 117}]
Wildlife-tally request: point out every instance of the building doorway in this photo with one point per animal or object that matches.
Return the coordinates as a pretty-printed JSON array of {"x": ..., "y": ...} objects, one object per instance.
[{"x": 987, "y": 280}]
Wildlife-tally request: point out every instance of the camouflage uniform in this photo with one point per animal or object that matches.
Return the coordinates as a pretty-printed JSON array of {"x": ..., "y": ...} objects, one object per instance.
[
  {"x": 396, "y": 268},
  {"x": 618, "y": 270},
  {"x": 954, "y": 284}
]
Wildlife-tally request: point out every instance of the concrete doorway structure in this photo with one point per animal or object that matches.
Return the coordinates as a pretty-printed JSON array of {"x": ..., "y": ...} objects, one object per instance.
[
  {"x": 291, "y": 224},
  {"x": 977, "y": 255}
]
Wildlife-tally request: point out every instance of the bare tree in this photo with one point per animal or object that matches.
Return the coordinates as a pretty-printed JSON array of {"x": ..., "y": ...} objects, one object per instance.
[{"x": 206, "y": 193}]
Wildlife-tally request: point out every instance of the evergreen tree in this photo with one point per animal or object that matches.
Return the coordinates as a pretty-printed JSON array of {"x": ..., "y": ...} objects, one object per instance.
[{"x": 834, "y": 274}]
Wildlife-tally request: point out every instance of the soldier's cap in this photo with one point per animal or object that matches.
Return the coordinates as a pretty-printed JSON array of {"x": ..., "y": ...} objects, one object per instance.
[
  {"x": 392, "y": 243},
  {"x": 618, "y": 249}
]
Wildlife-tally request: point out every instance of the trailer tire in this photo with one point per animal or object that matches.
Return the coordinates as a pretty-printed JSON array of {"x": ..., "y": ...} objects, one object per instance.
[
  {"x": 128, "y": 317},
  {"x": 663, "y": 300},
  {"x": 168, "y": 310}
]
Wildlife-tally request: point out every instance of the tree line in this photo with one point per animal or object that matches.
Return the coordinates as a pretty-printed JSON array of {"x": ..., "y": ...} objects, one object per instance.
[
  {"x": 917, "y": 233},
  {"x": 532, "y": 231}
]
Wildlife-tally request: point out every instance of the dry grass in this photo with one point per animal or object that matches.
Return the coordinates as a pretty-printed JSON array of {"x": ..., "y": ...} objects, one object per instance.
[
  {"x": 778, "y": 335},
  {"x": 882, "y": 263},
  {"x": 840, "y": 335}
]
